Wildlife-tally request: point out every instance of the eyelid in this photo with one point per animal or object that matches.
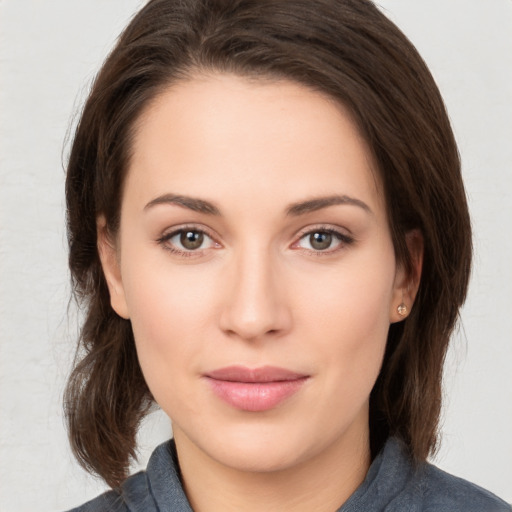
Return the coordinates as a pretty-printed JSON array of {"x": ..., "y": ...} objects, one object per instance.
[
  {"x": 175, "y": 230},
  {"x": 331, "y": 228},
  {"x": 343, "y": 237},
  {"x": 341, "y": 234}
]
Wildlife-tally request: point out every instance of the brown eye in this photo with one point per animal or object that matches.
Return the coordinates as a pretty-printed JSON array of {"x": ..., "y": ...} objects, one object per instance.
[
  {"x": 324, "y": 241},
  {"x": 191, "y": 240},
  {"x": 320, "y": 240},
  {"x": 188, "y": 241}
]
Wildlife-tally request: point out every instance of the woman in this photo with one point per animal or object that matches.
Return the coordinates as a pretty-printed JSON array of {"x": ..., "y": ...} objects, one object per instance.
[{"x": 259, "y": 197}]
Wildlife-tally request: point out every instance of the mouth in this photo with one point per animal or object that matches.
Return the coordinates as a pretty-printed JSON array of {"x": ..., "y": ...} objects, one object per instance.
[{"x": 255, "y": 390}]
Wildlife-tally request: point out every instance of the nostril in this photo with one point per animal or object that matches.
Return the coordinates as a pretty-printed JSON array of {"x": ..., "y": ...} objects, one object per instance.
[{"x": 252, "y": 305}]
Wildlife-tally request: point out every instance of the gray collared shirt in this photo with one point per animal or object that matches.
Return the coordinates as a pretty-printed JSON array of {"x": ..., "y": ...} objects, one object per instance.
[{"x": 393, "y": 484}]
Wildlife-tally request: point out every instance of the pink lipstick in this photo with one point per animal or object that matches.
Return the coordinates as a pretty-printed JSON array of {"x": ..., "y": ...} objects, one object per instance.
[{"x": 255, "y": 390}]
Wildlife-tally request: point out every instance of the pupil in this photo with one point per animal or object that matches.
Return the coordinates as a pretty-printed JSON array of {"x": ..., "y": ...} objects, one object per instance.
[
  {"x": 320, "y": 241},
  {"x": 191, "y": 240}
]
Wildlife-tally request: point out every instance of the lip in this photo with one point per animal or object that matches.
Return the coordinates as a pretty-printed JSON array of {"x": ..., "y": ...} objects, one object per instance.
[{"x": 257, "y": 389}]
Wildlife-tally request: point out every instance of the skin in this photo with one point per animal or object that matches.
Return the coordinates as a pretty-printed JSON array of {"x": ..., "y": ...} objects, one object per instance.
[{"x": 258, "y": 291}]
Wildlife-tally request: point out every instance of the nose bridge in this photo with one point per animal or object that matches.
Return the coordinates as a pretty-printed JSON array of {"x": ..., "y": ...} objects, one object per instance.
[{"x": 254, "y": 304}]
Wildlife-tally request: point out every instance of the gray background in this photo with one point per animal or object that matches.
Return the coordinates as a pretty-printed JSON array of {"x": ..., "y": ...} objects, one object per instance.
[{"x": 49, "y": 52}]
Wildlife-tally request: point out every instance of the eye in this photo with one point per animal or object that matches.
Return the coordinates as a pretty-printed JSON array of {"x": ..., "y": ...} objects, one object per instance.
[
  {"x": 187, "y": 240},
  {"x": 319, "y": 241},
  {"x": 190, "y": 240},
  {"x": 325, "y": 240}
]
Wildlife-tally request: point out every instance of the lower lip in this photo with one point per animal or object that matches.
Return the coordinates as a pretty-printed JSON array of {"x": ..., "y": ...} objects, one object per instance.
[{"x": 255, "y": 396}]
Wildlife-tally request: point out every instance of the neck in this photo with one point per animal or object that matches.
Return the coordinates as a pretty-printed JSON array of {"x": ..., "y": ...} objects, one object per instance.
[{"x": 321, "y": 483}]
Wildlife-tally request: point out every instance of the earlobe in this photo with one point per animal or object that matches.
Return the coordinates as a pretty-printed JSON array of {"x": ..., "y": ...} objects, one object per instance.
[
  {"x": 111, "y": 269},
  {"x": 407, "y": 283}
]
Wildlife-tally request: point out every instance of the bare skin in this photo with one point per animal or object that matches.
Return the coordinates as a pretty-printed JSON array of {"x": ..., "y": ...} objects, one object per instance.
[{"x": 254, "y": 235}]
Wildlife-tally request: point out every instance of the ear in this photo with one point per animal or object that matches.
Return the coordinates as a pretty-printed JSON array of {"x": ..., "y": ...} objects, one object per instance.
[
  {"x": 406, "y": 284},
  {"x": 111, "y": 269}
]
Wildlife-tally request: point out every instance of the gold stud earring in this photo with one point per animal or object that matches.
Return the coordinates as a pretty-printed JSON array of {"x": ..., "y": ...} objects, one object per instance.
[{"x": 402, "y": 308}]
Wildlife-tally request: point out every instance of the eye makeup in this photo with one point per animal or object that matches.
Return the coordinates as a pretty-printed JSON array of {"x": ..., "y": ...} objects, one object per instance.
[{"x": 188, "y": 241}]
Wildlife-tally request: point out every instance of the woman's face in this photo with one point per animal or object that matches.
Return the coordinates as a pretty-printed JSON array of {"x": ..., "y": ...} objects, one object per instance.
[{"x": 255, "y": 263}]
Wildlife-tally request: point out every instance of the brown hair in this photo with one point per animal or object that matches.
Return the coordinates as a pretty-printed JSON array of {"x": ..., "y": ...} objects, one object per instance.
[{"x": 345, "y": 48}]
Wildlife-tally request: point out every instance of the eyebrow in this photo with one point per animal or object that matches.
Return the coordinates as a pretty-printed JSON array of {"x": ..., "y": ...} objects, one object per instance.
[
  {"x": 192, "y": 203},
  {"x": 315, "y": 204},
  {"x": 295, "y": 209}
]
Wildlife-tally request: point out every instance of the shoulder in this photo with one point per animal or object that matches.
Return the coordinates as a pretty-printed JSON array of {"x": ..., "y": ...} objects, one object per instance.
[
  {"x": 442, "y": 492},
  {"x": 158, "y": 488},
  {"x": 132, "y": 496},
  {"x": 395, "y": 483}
]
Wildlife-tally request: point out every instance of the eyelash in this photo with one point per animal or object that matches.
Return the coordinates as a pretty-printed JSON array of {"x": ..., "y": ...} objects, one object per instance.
[
  {"x": 187, "y": 254},
  {"x": 343, "y": 239}
]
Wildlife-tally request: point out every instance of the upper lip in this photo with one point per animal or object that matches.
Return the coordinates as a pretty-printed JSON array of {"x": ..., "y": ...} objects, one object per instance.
[{"x": 261, "y": 374}]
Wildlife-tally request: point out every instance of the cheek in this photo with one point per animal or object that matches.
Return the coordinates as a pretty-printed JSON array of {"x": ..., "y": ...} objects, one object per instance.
[
  {"x": 169, "y": 308},
  {"x": 351, "y": 300},
  {"x": 348, "y": 319},
  {"x": 161, "y": 296}
]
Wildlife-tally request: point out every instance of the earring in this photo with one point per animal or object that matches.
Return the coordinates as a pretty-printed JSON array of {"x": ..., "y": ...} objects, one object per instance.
[{"x": 402, "y": 309}]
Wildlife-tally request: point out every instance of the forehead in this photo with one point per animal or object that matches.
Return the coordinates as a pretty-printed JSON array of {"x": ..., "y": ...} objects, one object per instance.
[{"x": 227, "y": 136}]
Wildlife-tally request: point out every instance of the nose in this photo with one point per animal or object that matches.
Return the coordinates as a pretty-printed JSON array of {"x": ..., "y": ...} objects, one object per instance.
[{"x": 254, "y": 305}]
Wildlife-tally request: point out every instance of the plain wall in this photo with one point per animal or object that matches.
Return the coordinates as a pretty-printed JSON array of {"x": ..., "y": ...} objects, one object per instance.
[{"x": 49, "y": 53}]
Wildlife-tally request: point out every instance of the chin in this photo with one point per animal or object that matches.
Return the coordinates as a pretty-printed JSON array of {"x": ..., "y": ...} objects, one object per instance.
[
  {"x": 265, "y": 447},
  {"x": 261, "y": 454}
]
